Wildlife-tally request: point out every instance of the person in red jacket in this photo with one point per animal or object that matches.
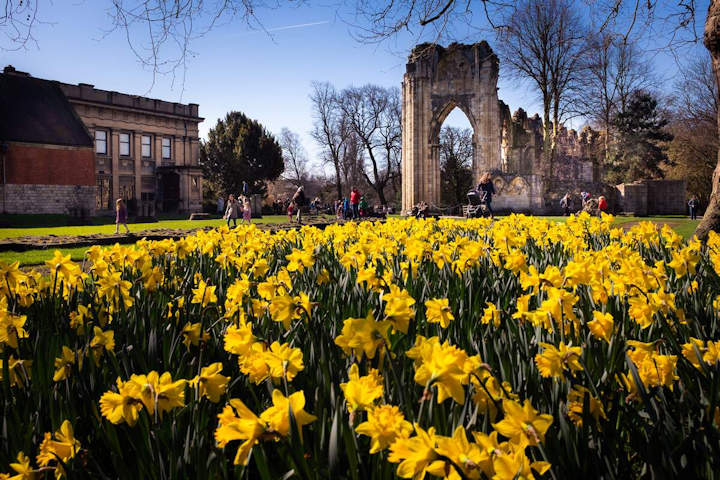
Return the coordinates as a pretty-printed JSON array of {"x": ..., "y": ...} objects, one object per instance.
[
  {"x": 355, "y": 202},
  {"x": 602, "y": 205}
]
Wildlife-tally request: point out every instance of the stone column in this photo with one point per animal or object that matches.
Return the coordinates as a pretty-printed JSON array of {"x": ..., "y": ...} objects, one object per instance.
[
  {"x": 115, "y": 151},
  {"x": 137, "y": 161}
]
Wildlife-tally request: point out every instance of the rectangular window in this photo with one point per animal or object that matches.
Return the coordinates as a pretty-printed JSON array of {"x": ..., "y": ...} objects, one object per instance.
[
  {"x": 146, "y": 144},
  {"x": 101, "y": 142},
  {"x": 103, "y": 194},
  {"x": 166, "y": 148},
  {"x": 125, "y": 144}
]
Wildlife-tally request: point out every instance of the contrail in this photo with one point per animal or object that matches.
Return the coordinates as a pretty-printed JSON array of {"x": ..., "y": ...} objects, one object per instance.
[{"x": 300, "y": 25}]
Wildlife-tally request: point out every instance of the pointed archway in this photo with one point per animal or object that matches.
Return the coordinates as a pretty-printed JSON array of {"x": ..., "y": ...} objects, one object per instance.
[{"x": 436, "y": 81}]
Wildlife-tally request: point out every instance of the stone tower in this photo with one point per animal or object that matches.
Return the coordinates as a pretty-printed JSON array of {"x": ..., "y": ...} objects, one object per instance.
[{"x": 436, "y": 81}]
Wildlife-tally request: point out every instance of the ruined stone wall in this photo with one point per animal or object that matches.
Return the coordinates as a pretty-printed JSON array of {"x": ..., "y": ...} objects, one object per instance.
[
  {"x": 517, "y": 193},
  {"x": 653, "y": 197},
  {"x": 634, "y": 198},
  {"x": 36, "y": 199},
  {"x": 436, "y": 81}
]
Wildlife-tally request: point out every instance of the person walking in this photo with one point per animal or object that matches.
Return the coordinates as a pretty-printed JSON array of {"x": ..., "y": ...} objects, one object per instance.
[
  {"x": 565, "y": 204},
  {"x": 602, "y": 205},
  {"x": 247, "y": 210},
  {"x": 338, "y": 209},
  {"x": 231, "y": 211},
  {"x": 120, "y": 215},
  {"x": 299, "y": 200},
  {"x": 346, "y": 208},
  {"x": 355, "y": 202},
  {"x": 487, "y": 190},
  {"x": 220, "y": 205},
  {"x": 363, "y": 207},
  {"x": 290, "y": 210},
  {"x": 693, "y": 205}
]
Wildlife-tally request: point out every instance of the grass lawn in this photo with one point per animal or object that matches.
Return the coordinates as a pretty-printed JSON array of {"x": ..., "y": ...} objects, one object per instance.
[
  {"x": 22, "y": 231},
  {"x": 38, "y": 257}
]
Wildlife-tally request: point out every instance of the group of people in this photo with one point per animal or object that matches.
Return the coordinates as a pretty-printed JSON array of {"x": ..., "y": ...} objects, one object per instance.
[
  {"x": 235, "y": 207},
  {"x": 588, "y": 203},
  {"x": 353, "y": 207}
]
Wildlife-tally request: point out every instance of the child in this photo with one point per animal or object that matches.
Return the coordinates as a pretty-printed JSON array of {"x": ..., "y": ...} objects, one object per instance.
[
  {"x": 291, "y": 208},
  {"x": 247, "y": 210},
  {"x": 231, "y": 212},
  {"x": 120, "y": 215}
]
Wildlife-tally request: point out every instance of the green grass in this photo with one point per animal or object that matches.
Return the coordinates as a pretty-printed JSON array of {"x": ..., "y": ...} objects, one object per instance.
[
  {"x": 38, "y": 257},
  {"x": 22, "y": 231}
]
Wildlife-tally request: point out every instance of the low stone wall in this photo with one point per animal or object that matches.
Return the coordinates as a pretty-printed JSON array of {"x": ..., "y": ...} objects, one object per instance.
[
  {"x": 36, "y": 199},
  {"x": 653, "y": 197}
]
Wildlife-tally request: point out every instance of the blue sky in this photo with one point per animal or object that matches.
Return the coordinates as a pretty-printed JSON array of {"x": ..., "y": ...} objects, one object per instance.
[{"x": 237, "y": 68}]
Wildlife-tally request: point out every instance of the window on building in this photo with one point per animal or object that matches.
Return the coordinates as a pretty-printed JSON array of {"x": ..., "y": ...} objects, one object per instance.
[
  {"x": 103, "y": 193},
  {"x": 166, "y": 148},
  {"x": 101, "y": 142},
  {"x": 125, "y": 144},
  {"x": 146, "y": 146},
  {"x": 194, "y": 182}
]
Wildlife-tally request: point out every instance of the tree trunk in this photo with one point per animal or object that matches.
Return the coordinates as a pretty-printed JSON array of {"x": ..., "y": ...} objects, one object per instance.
[
  {"x": 711, "y": 219},
  {"x": 338, "y": 180}
]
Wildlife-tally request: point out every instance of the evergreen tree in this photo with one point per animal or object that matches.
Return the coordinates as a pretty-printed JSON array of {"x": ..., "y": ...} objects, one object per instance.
[
  {"x": 239, "y": 150},
  {"x": 641, "y": 141}
]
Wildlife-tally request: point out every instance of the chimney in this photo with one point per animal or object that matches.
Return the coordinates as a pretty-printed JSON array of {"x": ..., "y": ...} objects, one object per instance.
[{"x": 10, "y": 70}]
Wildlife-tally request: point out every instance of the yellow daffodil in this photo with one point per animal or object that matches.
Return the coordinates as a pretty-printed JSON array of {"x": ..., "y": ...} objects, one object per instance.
[
  {"x": 437, "y": 310},
  {"x": 277, "y": 417},
  {"x": 601, "y": 326},
  {"x": 210, "y": 383},
  {"x": 522, "y": 423},
  {"x": 361, "y": 392},
  {"x": 204, "y": 294},
  {"x": 384, "y": 425}
]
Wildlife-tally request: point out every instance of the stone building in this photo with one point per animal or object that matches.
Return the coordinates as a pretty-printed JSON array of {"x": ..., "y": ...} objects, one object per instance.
[
  {"x": 439, "y": 79},
  {"x": 144, "y": 150},
  {"x": 46, "y": 153}
]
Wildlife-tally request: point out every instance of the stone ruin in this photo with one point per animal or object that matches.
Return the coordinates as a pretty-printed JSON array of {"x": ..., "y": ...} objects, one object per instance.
[{"x": 436, "y": 81}]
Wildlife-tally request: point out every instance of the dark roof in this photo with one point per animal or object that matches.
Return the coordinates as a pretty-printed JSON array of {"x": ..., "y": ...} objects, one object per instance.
[{"x": 36, "y": 111}]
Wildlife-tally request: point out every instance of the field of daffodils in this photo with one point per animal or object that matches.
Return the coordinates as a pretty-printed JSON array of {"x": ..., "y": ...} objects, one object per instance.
[{"x": 516, "y": 349}]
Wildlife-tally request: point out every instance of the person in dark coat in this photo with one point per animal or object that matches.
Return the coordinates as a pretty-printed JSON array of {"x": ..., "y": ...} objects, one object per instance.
[
  {"x": 486, "y": 189},
  {"x": 693, "y": 206}
]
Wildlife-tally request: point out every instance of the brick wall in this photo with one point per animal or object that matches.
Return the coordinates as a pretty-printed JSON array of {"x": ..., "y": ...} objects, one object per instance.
[
  {"x": 34, "y": 199},
  {"x": 28, "y": 164}
]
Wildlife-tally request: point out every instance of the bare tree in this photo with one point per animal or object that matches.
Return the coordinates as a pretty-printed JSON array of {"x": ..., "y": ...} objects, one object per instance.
[
  {"x": 698, "y": 92},
  {"x": 694, "y": 147},
  {"x": 17, "y": 21},
  {"x": 456, "y": 152},
  {"x": 371, "y": 111},
  {"x": 612, "y": 70},
  {"x": 543, "y": 42},
  {"x": 330, "y": 128},
  {"x": 351, "y": 158},
  {"x": 294, "y": 156}
]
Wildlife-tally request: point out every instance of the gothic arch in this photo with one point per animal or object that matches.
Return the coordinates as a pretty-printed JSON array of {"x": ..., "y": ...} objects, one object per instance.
[{"x": 436, "y": 81}]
